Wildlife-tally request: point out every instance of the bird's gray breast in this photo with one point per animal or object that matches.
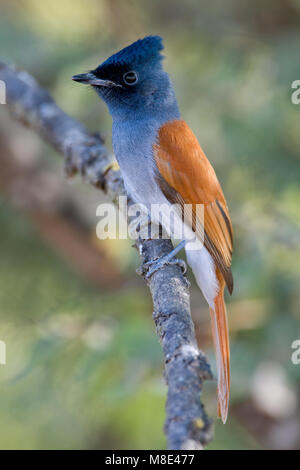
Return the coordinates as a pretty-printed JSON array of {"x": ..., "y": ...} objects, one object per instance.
[{"x": 133, "y": 146}]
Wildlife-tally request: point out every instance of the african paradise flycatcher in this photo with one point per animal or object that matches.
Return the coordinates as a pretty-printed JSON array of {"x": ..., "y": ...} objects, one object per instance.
[{"x": 162, "y": 163}]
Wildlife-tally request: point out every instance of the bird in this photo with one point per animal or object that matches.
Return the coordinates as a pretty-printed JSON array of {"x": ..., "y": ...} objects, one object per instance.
[{"x": 162, "y": 162}]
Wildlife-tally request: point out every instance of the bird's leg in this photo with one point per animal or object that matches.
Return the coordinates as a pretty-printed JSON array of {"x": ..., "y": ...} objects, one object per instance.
[{"x": 159, "y": 263}]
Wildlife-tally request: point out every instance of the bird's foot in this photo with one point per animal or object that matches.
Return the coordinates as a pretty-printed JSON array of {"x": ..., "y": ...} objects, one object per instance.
[{"x": 152, "y": 267}]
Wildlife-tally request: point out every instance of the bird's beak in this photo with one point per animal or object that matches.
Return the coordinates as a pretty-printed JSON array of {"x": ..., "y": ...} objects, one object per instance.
[{"x": 91, "y": 79}]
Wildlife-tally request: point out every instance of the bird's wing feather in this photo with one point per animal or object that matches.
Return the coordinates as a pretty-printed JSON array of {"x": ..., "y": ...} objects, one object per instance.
[{"x": 185, "y": 176}]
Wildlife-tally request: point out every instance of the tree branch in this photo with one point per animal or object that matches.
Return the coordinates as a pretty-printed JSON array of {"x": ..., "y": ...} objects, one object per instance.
[{"x": 187, "y": 426}]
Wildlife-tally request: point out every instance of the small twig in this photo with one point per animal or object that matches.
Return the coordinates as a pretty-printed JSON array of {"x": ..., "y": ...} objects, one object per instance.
[{"x": 187, "y": 426}]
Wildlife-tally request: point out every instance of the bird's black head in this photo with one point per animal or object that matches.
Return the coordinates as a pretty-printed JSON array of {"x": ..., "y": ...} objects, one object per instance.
[{"x": 133, "y": 78}]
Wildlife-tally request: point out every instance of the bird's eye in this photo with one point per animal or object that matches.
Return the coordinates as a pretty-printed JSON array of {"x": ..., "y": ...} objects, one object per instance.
[{"x": 130, "y": 78}]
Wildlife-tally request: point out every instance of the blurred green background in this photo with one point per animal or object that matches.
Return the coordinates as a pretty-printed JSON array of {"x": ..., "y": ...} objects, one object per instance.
[{"x": 84, "y": 368}]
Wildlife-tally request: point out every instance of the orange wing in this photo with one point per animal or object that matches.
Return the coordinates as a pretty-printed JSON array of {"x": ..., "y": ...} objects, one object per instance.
[{"x": 185, "y": 176}]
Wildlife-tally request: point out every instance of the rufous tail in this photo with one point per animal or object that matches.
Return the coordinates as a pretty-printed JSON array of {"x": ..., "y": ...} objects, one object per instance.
[{"x": 221, "y": 342}]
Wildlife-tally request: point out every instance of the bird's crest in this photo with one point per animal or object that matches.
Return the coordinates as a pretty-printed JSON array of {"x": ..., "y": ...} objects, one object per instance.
[{"x": 142, "y": 50}]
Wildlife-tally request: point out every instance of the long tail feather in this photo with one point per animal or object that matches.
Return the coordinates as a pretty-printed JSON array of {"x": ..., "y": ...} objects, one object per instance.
[
  {"x": 221, "y": 342},
  {"x": 212, "y": 287}
]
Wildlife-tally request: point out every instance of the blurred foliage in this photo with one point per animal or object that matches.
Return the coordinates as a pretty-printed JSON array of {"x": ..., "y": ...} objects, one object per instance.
[{"x": 84, "y": 367}]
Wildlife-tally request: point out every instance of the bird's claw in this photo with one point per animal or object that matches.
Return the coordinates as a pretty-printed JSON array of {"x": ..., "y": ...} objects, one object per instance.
[
  {"x": 180, "y": 263},
  {"x": 152, "y": 267}
]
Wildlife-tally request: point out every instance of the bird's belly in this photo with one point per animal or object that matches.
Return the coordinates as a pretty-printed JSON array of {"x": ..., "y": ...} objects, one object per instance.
[
  {"x": 133, "y": 149},
  {"x": 140, "y": 183},
  {"x": 139, "y": 170}
]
